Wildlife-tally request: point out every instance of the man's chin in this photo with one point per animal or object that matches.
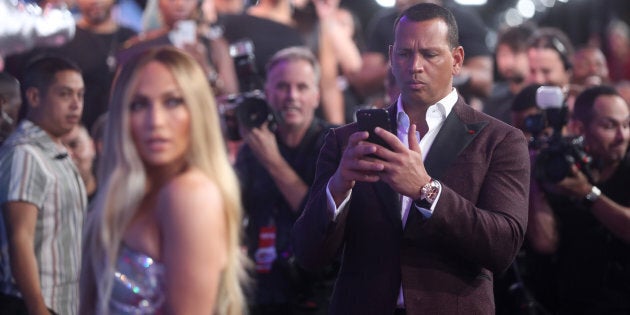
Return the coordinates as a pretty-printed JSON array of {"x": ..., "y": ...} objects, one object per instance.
[
  {"x": 617, "y": 156},
  {"x": 417, "y": 97},
  {"x": 516, "y": 79}
]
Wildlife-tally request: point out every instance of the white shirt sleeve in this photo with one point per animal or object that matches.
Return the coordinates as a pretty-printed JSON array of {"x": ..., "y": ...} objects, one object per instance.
[
  {"x": 332, "y": 208},
  {"x": 427, "y": 213}
]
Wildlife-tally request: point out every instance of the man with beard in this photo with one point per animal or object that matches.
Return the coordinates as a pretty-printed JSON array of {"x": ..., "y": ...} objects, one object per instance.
[
  {"x": 550, "y": 55},
  {"x": 98, "y": 37},
  {"x": 583, "y": 219},
  {"x": 512, "y": 66}
]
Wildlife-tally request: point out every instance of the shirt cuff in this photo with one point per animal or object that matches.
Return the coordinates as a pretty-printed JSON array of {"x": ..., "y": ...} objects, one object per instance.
[{"x": 332, "y": 208}]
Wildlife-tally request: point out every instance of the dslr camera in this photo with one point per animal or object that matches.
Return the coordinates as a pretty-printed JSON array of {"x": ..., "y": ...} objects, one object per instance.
[
  {"x": 248, "y": 109},
  {"x": 556, "y": 153}
]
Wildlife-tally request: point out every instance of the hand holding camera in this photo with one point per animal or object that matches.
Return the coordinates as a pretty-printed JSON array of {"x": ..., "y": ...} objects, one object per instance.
[
  {"x": 247, "y": 109},
  {"x": 263, "y": 144},
  {"x": 557, "y": 154}
]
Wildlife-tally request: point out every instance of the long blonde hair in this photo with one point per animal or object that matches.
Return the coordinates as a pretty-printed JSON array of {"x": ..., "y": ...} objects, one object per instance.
[{"x": 122, "y": 181}]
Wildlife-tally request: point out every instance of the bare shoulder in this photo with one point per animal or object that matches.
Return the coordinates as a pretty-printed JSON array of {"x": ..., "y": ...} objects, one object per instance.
[{"x": 190, "y": 194}]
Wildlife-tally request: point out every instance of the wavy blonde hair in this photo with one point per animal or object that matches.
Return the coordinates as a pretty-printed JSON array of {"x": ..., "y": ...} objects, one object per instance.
[{"x": 122, "y": 181}]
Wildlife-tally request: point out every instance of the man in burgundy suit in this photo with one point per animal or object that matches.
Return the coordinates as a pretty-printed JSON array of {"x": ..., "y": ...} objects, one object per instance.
[{"x": 422, "y": 228}]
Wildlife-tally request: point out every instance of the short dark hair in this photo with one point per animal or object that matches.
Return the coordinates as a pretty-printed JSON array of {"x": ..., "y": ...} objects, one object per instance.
[
  {"x": 517, "y": 37},
  {"x": 526, "y": 98},
  {"x": 583, "y": 106},
  {"x": 554, "y": 39},
  {"x": 40, "y": 72},
  {"x": 428, "y": 11}
]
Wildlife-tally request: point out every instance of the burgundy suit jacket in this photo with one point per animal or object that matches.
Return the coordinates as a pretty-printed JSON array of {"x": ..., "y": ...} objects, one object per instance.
[{"x": 446, "y": 262}]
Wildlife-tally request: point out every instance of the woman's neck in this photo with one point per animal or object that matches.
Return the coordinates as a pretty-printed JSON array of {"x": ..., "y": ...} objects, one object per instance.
[{"x": 158, "y": 176}]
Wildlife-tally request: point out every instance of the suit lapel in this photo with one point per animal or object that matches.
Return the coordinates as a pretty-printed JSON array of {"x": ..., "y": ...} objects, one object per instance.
[{"x": 452, "y": 139}]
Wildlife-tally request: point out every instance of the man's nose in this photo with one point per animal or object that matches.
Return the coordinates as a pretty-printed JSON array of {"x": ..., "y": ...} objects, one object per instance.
[
  {"x": 417, "y": 63},
  {"x": 77, "y": 101}
]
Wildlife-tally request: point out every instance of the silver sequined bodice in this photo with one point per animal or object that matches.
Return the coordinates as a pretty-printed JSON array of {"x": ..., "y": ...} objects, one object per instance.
[{"x": 138, "y": 284}]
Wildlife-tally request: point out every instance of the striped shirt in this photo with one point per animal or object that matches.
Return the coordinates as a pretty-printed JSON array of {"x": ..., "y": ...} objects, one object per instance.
[{"x": 34, "y": 169}]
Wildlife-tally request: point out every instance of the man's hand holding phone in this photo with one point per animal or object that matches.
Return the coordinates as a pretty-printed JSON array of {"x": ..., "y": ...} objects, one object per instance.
[
  {"x": 359, "y": 161},
  {"x": 399, "y": 166}
]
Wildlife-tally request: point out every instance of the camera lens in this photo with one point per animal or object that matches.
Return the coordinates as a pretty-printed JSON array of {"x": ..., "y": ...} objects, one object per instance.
[{"x": 252, "y": 112}]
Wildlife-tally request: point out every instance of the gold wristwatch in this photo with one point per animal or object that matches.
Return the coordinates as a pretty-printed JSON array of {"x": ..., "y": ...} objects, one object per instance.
[{"x": 430, "y": 190}]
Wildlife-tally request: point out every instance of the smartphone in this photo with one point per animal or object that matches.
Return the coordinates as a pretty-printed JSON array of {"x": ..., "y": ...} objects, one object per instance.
[{"x": 369, "y": 119}]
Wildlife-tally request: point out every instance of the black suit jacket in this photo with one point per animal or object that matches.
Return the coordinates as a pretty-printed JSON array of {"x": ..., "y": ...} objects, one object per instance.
[{"x": 446, "y": 262}]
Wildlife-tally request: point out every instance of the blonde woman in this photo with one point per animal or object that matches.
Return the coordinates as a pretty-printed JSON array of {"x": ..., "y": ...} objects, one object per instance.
[{"x": 163, "y": 236}]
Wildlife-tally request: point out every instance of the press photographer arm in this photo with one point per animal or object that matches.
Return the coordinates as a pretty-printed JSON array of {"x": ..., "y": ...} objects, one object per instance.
[
  {"x": 264, "y": 145},
  {"x": 542, "y": 229},
  {"x": 615, "y": 217}
]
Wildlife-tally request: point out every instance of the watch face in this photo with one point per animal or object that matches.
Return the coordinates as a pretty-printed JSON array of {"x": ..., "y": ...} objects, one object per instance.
[
  {"x": 593, "y": 194},
  {"x": 430, "y": 191}
]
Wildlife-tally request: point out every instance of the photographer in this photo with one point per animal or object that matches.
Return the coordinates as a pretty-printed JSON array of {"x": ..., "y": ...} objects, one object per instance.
[
  {"x": 275, "y": 168},
  {"x": 583, "y": 219}
]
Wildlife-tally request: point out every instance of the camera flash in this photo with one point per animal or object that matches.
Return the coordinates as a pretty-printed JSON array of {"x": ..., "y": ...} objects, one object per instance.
[{"x": 549, "y": 97}]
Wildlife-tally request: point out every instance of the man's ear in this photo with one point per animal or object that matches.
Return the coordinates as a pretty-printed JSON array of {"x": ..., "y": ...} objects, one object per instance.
[
  {"x": 33, "y": 97},
  {"x": 458, "y": 59}
]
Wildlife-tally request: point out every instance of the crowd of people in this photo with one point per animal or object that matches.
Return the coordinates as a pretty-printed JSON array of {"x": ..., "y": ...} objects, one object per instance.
[{"x": 211, "y": 162}]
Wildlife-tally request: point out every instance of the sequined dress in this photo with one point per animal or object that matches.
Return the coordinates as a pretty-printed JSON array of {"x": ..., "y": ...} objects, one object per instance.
[{"x": 138, "y": 284}]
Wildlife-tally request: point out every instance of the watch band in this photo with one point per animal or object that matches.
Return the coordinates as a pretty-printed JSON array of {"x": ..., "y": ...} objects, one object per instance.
[{"x": 593, "y": 194}]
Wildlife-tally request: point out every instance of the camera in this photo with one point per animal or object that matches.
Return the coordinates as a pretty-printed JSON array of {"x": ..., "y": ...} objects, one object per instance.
[
  {"x": 245, "y": 110},
  {"x": 248, "y": 109},
  {"x": 557, "y": 153}
]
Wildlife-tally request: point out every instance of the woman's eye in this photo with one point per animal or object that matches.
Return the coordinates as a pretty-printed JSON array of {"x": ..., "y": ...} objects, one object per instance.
[
  {"x": 174, "y": 102},
  {"x": 137, "y": 105}
]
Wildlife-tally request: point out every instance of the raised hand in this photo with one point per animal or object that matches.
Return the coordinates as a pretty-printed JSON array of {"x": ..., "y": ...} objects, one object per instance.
[{"x": 403, "y": 168}]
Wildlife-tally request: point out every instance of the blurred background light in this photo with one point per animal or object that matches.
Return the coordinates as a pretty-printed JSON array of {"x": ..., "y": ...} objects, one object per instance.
[
  {"x": 471, "y": 2},
  {"x": 526, "y": 8},
  {"x": 386, "y": 3},
  {"x": 513, "y": 17}
]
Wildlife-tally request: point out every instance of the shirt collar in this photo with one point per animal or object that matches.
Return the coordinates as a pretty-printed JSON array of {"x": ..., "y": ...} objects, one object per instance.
[
  {"x": 435, "y": 113},
  {"x": 32, "y": 133}
]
